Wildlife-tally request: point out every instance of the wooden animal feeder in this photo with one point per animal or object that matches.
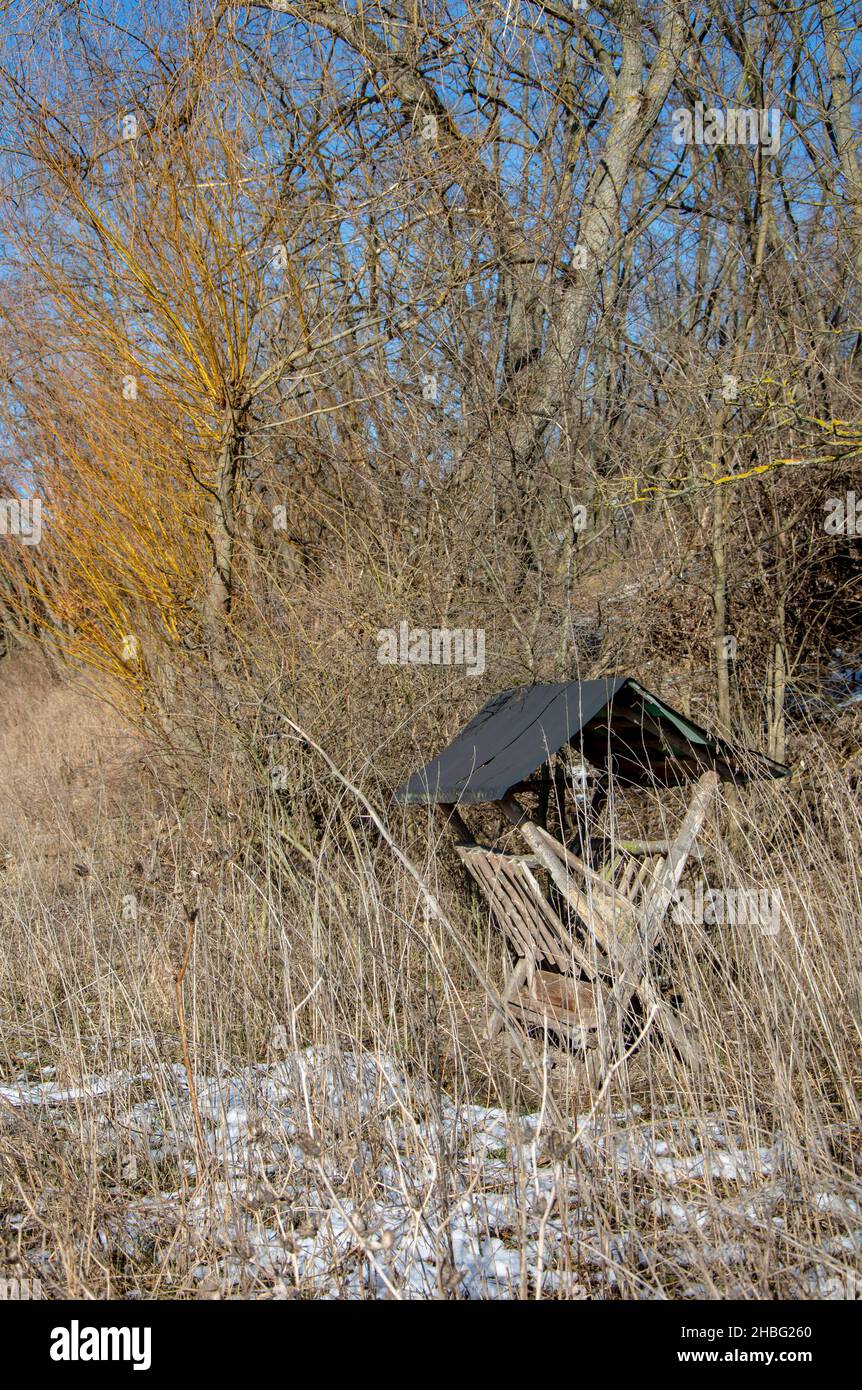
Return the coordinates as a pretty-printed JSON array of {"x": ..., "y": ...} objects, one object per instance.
[{"x": 583, "y": 915}]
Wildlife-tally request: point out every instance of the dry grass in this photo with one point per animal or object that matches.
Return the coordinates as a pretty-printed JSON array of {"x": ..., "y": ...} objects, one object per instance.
[{"x": 359, "y": 1138}]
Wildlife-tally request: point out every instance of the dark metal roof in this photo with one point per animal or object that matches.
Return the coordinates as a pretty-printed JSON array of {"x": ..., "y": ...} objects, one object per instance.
[{"x": 612, "y": 723}]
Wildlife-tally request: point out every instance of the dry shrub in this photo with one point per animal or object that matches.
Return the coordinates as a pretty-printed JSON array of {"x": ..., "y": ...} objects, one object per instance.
[{"x": 738, "y": 1179}]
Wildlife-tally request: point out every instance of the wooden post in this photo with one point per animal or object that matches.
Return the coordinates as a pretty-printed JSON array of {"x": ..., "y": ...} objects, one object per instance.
[
  {"x": 598, "y": 918},
  {"x": 634, "y": 975},
  {"x": 453, "y": 820}
]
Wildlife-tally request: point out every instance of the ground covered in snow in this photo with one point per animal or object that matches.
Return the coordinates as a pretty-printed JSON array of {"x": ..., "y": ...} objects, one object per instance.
[{"x": 336, "y": 1176}]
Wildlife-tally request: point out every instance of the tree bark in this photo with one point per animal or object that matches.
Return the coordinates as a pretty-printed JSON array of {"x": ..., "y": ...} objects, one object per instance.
[
  {"x": 219, "y": 595},
  {"x": 841, "y": 116}
]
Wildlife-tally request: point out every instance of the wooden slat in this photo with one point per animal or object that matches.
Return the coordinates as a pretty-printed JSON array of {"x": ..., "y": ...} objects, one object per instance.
[
  {"x": 632, "y": 972},
  {"x": 516, "y": 915},
  {"x": 629, "y": 875},
  {"x": 643, "y": 879},
  {"x": 521, "y": 909},
  {"x": 535, "y": 913},
  {"x": 582, "y": 870},
  {"x": 651, "y": 880},
  {"x": 536, "y": 916},
  {"x": 596, "y": 912},
  {"x": 508, "y": 892},
  {"x": 569, "y": 952},
  {"x": 508, "y": 920},
  {"x": 492, "y": 855},
  {"x": 558, "y": 1002}
]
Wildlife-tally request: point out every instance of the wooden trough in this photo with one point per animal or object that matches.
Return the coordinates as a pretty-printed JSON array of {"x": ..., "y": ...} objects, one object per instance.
[{"x": 584, "y": 942}]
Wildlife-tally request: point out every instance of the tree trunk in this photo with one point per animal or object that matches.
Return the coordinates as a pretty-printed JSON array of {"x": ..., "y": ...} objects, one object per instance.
[
  {"x": 219, "y": 594},
  {"x": 719, "y": 608},
  {"x": 841, "y": 116}
]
